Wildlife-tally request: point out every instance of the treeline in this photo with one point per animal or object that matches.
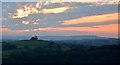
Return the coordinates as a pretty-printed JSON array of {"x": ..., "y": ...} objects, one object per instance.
[{"x": 61, "y": 53}]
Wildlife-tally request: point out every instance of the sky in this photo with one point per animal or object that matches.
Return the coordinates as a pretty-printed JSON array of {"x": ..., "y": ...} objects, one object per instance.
[{"x": 60, "y": 18}]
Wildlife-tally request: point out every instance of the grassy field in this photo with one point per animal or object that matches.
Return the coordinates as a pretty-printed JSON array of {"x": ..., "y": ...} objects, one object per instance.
[
  {"x": 27, "y": 44},
  {"x": 40, "y": 51},
  {"x": 30, "y": 44}
]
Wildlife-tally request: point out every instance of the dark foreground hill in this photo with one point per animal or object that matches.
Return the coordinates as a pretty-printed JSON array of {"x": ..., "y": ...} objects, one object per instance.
[{"x": 40, "y": 51}]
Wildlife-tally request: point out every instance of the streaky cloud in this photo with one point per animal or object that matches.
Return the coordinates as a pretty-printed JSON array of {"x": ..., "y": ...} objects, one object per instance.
[{"x": 91, "y": 19}]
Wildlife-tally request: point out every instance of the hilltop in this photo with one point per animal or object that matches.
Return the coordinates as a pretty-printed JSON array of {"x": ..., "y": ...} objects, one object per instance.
[{"x": 28, "y": 43}]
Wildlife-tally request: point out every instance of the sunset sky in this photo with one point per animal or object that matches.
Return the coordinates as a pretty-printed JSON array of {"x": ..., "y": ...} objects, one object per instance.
[{"x": 60, "y": 18}]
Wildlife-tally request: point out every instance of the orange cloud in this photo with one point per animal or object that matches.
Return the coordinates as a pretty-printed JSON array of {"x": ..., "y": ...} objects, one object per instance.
[
  {"x": 26, "y": 11},
  {"x": 25, "y": 22},
  {"x": 38, "y": 20},
  {"x": 35, "y": 23},
  {"x": 104, "y": 3},
  {"x": 6, "y": 30},
  {"x": 39, "y": 4},
  {"x": 55, "y": 10},
  {"x": 29, "y": 9},
  {"x": 56, "y": 1},
  {"x": 104, "y": 30},
  {"x": 3, "y": 18},
  {"x": 46, "y": 3},
  {"x": 89, "y": 19},
  {"x": 113, "y": 28}
]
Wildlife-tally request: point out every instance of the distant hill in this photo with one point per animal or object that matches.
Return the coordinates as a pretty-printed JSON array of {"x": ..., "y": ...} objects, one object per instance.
[
  {"x": 69, "y": 37},
  {"x": 91, "y": 42},
  {"x": 52, "y": 37}
]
